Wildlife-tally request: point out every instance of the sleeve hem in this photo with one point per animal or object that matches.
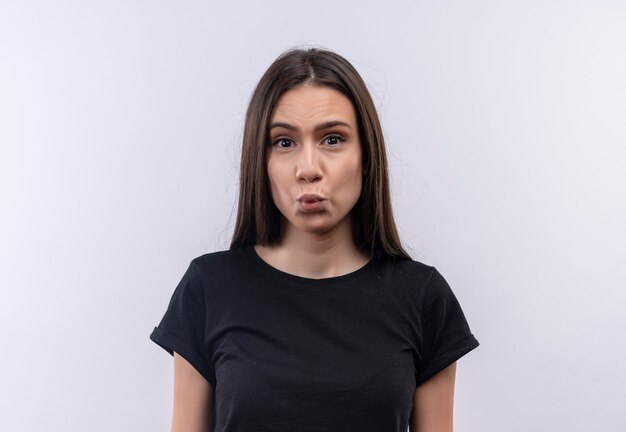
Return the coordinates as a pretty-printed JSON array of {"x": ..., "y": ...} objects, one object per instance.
[
  {"x": 170, "y": 343},
  {"x": 457, "y": 350}
]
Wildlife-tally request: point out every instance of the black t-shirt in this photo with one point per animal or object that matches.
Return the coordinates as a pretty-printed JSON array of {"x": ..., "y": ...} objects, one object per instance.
[{"x": 288, "y": 353}]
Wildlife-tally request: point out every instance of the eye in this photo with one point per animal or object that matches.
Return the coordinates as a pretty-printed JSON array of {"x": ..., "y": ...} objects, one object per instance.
[
  {"x": 280, "y": 141},
  {"x": 335, "y": 139}
]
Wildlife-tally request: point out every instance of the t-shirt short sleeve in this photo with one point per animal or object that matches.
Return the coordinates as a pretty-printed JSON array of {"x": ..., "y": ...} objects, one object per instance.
[
  {"x": 446, "y": 335},
  {"x": 183, "y": 326}
]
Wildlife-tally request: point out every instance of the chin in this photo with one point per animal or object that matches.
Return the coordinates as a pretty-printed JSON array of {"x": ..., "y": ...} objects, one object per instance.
[
  {"x": 315, "y": 227},
  {"x": 320, "y": 225}
]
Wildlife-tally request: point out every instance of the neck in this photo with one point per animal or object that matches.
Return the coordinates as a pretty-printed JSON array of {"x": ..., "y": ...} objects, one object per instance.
[{"x": 315, "y": 255}]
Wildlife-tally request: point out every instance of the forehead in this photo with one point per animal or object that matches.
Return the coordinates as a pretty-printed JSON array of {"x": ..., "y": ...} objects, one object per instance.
[{"x": 313, "y": 102}]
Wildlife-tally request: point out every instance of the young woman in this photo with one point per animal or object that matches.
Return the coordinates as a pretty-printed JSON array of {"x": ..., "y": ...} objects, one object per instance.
[{"x": 315, "y": 319}]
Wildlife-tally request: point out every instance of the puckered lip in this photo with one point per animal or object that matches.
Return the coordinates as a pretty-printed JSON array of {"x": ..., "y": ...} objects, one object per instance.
[{"x": 310, "y": 198}]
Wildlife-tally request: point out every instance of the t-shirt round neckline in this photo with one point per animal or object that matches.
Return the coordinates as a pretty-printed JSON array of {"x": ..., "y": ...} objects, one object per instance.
[{"x": 251, "y": 253}]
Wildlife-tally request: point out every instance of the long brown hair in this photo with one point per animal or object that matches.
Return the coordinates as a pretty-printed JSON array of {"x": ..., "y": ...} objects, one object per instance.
[{"x": 258, "y": 219}]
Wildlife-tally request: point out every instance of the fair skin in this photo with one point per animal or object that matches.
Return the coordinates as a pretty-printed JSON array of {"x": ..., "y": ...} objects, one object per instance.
[
  {"x": 433, "y": 403},
  {"x": 307, "y": 158},
  {"x": 314, "y": 149},
  {"x": 193, "y": 395}
]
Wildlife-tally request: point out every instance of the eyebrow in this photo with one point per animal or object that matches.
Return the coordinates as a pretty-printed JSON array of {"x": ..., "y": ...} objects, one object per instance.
[{"x": 319, "y": 127}]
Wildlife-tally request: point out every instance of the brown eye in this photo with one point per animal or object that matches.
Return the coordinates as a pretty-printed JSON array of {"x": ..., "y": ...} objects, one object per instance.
[
  {"x": 336, "y": 139},
  {"x": 281, "y": 141}
]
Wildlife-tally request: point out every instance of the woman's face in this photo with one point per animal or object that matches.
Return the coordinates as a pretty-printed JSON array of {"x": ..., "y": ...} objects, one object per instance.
[{"x": 314, "y": 150}]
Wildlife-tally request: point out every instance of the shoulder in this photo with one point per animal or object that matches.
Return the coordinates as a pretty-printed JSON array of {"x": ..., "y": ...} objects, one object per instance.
[
  {"x": 423, "y": 283},
  {"x": 219, "y": 266},
  {"x": 410, "y": 270},
  {"x": 212, "y": 259}
]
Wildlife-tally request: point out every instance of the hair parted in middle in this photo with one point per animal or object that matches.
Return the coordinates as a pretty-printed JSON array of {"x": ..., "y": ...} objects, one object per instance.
[{"x": 258, "y": 219}]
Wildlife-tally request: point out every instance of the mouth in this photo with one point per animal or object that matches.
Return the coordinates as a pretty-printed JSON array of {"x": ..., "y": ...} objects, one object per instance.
[
  {"x": 310, "y": 198},
  {"x": 311, "y": 203}
]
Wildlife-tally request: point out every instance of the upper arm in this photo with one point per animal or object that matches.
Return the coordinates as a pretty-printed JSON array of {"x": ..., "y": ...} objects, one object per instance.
[
  {"x": 193, "y": 396},
  {"x": 433, "y": 403}
]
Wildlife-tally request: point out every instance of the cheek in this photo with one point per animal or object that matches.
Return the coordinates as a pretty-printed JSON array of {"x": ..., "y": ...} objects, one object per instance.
[
  {"x": 277, "y": 177},
  {"x": 351, "y": 178}
]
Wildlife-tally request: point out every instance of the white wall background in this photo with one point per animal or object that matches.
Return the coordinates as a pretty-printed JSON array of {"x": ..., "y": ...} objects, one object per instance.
[{"x": 120, "y": 129}]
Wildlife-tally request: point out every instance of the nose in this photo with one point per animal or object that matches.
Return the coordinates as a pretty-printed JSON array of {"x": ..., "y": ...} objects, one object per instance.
[{"x": 308, "y": 165}]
